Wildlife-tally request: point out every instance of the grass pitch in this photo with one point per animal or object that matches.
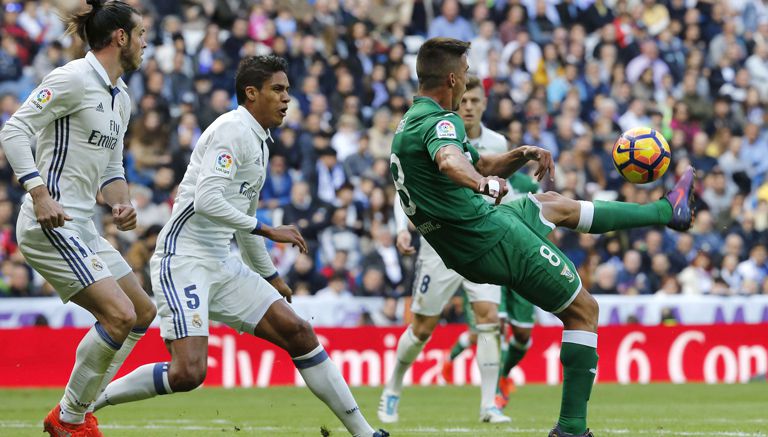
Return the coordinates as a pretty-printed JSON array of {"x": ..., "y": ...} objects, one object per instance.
[{"x": 650, "y": 410}]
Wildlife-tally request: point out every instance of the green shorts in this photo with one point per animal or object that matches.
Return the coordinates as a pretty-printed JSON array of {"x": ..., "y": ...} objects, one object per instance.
[
  {"x": 526, "y": 261},
  {"x": 516, "y": 309}
]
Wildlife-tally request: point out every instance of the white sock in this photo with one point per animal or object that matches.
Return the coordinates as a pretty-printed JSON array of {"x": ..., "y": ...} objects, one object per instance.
[
  {"x": 326, "y": 382},
  {"x": 94, "y": 353},
  {"x": 586, "y": 215},
  {"x": 133, "y": 337},
  {"x": 488, "y": 357},
  {"x": 408, "y": 348},
  {"x": 145, "y": 382}
]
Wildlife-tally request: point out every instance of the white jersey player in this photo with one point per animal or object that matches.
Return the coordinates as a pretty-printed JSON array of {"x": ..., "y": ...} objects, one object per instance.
[
  {"x": 434, "y": 285},
  {"x": 194, "y": 277},
  {"x": 80, "y": 113}
]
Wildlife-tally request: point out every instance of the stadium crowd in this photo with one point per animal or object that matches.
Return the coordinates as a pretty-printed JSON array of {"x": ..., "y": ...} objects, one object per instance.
[{"x": 568, "y": 76}]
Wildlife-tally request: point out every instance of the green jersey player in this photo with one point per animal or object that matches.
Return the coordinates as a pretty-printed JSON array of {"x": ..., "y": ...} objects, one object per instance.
[
  {"x": 434, "y": 284},
  {"x": 439, "y": 176}
]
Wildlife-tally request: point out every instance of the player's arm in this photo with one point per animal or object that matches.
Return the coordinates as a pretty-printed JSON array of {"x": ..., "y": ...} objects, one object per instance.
[
  {"x": 504, "y": 164},
  {"x": 256, "y": 257},
  {"x": 452, "y": 163},
  {"x": 56, "y": 97},
  {"x": 219, "y": 166},
  {"x": 114, "y": 188},
  {"x": 403, "y": 242}
]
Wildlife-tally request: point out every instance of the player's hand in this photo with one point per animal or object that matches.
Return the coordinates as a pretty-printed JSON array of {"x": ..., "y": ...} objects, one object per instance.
[
  {"x": 124, "y": 216},
  {"x": 286, "y": 234},
  {"x": 403, "y": 243},
  {"x": 49, "y": 212},
  {"x": 281, "y": 287},
  {"x": 544, "y": 158},
  {"x": 493, "y": 186}
]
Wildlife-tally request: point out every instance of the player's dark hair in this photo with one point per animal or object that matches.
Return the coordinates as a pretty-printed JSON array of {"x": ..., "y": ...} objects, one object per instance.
[
  {"x": 254, "y": 71},
  {"x": 97, "y": 25},
  {"x": 473, "y": 82},
  {"x": 437, "y": 58}
]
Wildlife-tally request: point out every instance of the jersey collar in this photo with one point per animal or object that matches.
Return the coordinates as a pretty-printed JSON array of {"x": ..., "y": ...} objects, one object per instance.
[
  {"x": 427, "y": 99},
  {"x": 254, "y": 124},
  {"x": 91, "y": 58}
]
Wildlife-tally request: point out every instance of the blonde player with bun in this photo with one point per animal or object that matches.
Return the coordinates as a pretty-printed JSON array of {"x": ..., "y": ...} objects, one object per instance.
[{"x": 79, "y": 114}]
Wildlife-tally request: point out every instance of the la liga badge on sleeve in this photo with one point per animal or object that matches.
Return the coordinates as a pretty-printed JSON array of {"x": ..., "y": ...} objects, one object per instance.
[
  {"x": 445, "y": 129},
  {"x": 223, "y": 164}
]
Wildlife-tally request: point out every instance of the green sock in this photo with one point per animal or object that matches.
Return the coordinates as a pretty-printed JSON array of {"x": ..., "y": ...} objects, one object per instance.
[
  {"x": 461, "y": 344},
  {"x": 613, "y": 216},
  {"x": 456, "y": 350},
  {"x": 514, "y": 354},
  {"x": 579, "y": 364}
]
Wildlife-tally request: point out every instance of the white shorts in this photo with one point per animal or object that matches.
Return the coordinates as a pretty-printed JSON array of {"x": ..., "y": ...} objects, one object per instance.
[
  {"x": 70, "y": 257},
  {"x": 189, "y": 291},
  {"x": 435, "y": 283}
]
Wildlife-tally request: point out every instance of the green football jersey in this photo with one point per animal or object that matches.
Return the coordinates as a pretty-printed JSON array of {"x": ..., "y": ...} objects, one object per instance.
[
  {"x": 458, "y": 223},
  {"x": 520, "y": 184}
]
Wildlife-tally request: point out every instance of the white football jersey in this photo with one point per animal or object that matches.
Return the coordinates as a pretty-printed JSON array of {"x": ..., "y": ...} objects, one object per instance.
[
  {"x": 80, "y": 121},
  {"x": 219, "y": 194},
  {"x": 489, "y": 142}
]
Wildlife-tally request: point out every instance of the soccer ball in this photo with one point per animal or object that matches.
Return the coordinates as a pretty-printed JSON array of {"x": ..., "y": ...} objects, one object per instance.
[{"x": 641, "y": 155}]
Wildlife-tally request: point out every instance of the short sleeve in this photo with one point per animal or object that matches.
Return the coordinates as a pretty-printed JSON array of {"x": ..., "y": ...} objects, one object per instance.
[
  {"x": 443, "y": 131},
  {"x": 58, "y": 95}
]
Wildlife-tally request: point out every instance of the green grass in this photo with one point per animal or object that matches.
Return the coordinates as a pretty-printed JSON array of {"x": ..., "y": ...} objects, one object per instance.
[{"x": 631, "y": 411}]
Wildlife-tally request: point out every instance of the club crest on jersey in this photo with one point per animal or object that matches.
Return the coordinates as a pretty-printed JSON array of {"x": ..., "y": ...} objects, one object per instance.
[
  {"x": 97, "y": 265},
  {"x": 401, "y": 125},
  {"x": 568, "y": 274},
  {"x": 445, "y": 129},
  {"x": 197, "y": 321},
  {"x": 41, "y": 99},
  {"x": 223, "y": 164}
]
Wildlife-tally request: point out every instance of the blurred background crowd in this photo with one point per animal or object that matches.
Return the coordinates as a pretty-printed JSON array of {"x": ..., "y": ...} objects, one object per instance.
[{"x": 567, "y": 75}]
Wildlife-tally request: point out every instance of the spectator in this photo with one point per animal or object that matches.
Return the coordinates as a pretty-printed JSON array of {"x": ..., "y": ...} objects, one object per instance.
[
  {"x": 696, "y": 279},
  {"x": 328, "y": 176},
  {"x": 605, "y": 280},
  {"x": 303, "y": 275},
  {"x": 631, "y": 280},
  {"x": 336, "y": 288},
  {"x": 450, "y": 23},
  {"x": 754, "y": 269},
  {"x": 340, "y": 236},
  {"x": 387, "y": 315},
  {"x": 276, "y": 192},
  {"x": 306, "y": 213}
]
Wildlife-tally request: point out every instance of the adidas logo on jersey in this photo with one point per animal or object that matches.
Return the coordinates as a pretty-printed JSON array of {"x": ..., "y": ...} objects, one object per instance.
[{"x": 100, "y": 108}]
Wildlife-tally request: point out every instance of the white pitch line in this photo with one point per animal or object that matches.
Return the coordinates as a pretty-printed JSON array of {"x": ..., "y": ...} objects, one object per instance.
[{"x": 454, "y": 430}]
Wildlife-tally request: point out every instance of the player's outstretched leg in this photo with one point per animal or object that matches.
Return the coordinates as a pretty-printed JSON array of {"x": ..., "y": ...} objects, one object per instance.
[
  {"x": 409, "y": 347},
  {"x": 116, "y": 317},
  {"x": 578, "y": 356},
  {"x": 281, "y": 326},
  {"x": 675, "y": 210}
]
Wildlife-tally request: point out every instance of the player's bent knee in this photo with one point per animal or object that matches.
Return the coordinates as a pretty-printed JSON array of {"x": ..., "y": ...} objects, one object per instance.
[
  {"x": 121, "y": 320},
  {"x": 145, "y": 315},
  {"x": 522, "y": 335},
  {"x": 186, "y": 378},
  {"x": 423, "y": 332},
  {"x": 301, "y": 338},
  {"x": 582, "y": 313},
  {"x": 486, "y": 313}
]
